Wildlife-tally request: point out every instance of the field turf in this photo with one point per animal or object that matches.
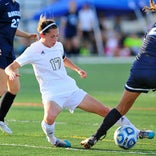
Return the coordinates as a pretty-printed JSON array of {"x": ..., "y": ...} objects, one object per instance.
[{"x": 105, "y": 82}]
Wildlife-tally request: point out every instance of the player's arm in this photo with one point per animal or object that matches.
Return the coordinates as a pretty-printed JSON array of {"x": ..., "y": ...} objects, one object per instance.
[
  {"x": 11, "y": 70},
  {"x": 26, "y": 35},
  {"x": 68, "y": 63}
]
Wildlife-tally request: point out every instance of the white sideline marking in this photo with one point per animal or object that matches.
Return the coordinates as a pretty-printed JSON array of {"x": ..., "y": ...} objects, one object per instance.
[
  {"x": 102, "y": 60},
  {"x": 33, "y": 121},
  {"x": 78, "y": 149},
  {"x": 91, "y": 60}
]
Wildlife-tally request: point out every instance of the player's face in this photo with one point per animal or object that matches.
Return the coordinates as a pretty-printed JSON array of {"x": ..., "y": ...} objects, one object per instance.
[{"x": 52, "y": 36}]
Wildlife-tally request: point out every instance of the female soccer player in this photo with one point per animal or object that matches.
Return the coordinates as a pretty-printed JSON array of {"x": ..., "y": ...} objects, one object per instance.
[
  {"x": 9, "y": 19},
  {"x": 142, "y": 79},
  {"x": 57, "y": 88}
]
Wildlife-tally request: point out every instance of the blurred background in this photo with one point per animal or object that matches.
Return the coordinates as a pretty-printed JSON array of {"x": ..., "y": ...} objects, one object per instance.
[{"x": 113, "y": 28}]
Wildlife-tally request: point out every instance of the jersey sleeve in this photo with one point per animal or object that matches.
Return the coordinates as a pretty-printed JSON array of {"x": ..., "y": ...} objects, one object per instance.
[
  {"x": 26, "y": 57},
  {"x": 62, "y": 50}
]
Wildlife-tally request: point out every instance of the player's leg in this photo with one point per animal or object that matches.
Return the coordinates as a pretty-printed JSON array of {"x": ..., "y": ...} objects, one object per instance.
[
  {"x": 90, "y": 104},
  {"x": 7, "y": 99},
  {"x": 127, "y": 100},
  {"x": 3, "y": 82},
  {"x": 51, "y": 111},
  {"x": 113, "y": 116}
]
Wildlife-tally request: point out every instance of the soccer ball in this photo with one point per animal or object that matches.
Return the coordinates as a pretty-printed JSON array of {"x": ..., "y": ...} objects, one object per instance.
[{"x": 125, "y": 137}]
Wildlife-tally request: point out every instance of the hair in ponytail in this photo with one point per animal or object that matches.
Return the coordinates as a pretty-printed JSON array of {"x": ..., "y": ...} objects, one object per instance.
[{"x": 151, "y": 8}]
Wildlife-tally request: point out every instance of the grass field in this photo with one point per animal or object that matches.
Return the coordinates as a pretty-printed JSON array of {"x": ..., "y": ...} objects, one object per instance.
[{"x": 105, "y": 82}]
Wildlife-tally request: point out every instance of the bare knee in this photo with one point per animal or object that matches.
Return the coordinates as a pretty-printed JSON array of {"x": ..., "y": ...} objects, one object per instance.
[{"x": 14, "y": 88}]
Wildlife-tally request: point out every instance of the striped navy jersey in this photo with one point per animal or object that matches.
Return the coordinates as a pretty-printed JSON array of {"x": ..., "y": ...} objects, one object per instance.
[
  {"x": 9, "y": 20},
  {"x": 149, "y": 44}
]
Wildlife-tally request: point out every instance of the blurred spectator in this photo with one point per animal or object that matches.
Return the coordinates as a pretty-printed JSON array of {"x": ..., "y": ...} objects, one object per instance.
[
  {"x": 86, "y": 24},
  {"x": 133, "y": 42},
  {"x": 112, "y": 44},
  {"x": 124, "y": 51},
  {"x": 103, "y": 28},
  {"x": 117, "y": 24},
  {"x": 70, "y": 27}
]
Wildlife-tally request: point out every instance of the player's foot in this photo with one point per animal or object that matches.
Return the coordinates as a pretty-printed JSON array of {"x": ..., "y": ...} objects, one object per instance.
[
  {"x": 89, "y": 142},
  {"x": 149, "y": 134},
  {"x": 62, "y": 143},
  {"x": 5, "y": 128}
]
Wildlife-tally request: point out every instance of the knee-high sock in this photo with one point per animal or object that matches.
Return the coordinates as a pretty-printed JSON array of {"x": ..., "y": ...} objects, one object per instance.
[
  {"x": 112, "y": 117},
  {"x": 5, "y": 104},
  {"x": 49, "y": 132},
  {"x": 124, "y": 121}
]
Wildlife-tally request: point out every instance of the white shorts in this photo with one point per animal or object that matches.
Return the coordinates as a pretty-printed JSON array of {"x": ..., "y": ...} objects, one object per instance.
[{"x": 69, "y": 101}]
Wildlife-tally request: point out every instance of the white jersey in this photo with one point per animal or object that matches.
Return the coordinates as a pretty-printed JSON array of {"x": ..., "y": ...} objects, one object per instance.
[{"x": 49, "y": 69}]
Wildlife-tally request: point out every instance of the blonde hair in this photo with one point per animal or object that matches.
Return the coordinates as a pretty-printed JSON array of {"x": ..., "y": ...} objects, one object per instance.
[
  {"x": 45, "y": 24},
  {"x": 151, "y": 8}
]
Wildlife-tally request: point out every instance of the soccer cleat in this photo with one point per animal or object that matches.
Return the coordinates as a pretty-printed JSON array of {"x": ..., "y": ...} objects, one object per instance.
[
  {"x": 89, "y": 142},
  {"x": 149, "y": 134},
  {"x": 62, "y": 143},
  {"x": 5, "y": 128}
]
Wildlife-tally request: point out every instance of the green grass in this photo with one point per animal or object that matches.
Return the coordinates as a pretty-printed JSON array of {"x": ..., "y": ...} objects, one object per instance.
[{"x": 105, "y": 82}]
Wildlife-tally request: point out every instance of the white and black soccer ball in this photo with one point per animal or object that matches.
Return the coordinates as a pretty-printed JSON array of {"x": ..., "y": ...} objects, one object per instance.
[{"x": 125, "y": 137}]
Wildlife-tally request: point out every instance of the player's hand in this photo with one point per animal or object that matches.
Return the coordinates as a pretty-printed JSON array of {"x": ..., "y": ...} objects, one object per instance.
[
  {"x": 33, "y": 37},
  {"x": 82, "y": 73},
  {"x": 12, "y": 75}
]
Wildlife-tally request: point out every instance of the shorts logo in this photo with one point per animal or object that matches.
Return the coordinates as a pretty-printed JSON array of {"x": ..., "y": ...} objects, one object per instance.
[{"x": 0, "y": 52}]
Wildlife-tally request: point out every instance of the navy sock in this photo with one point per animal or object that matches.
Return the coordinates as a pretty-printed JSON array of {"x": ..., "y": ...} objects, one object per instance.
[
  {"x": 5, "y": 104},
  {"x": 112, "y": 117}
]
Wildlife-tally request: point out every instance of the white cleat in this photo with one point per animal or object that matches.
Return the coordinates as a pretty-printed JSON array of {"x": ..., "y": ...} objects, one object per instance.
[{"x": 4, "y": 127}]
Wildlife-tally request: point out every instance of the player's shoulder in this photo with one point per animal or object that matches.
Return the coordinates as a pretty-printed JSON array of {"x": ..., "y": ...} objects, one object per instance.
[
  {"x": 4, "y": 2},
  {"x": 34, "y": 46},
  {"x": 154, "y": 25},
  {"x": 59, "y": 44},
  {"x": 35, "y": 43}
]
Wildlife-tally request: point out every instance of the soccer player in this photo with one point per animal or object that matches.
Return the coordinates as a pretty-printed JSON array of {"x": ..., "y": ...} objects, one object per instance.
[
  {"x": 9, "y": 19},
  {"x": 142, "y": 79},
  {"x": 58, "y": 90}
]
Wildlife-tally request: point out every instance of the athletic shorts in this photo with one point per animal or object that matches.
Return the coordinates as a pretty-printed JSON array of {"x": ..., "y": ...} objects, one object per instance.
[
  {"x": 142, "y": 75},
  {"x": 68, "y": 101},
  {"x": 5, "y": 61}
]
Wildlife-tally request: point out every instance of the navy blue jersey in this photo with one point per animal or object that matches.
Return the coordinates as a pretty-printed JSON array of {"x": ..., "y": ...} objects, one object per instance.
[
  {"x": 149, "y": 44},
  {"x": 71, "y": 25},
  {"x": 9, "y": 20},
  {"x": 143, "y": 72}
]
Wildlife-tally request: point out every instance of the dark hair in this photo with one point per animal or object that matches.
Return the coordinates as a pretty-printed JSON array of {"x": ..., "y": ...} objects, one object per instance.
[
  {"x": 45, "y": 24},
  {"x": 152, "y": 7}
]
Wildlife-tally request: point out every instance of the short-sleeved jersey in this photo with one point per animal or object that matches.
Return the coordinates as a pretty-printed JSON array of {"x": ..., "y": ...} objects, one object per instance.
[
  {"x": 149, "y": 44},
  {"x": 9, "y": 20},
  {"x": 143, "y": 71},
  {"x": 49, "y": 68}
]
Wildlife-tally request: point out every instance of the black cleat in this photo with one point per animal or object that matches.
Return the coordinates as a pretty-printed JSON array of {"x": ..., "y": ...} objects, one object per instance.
[{"x": 89, "y": 142}]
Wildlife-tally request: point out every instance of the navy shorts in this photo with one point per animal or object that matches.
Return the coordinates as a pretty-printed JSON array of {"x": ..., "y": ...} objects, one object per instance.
[
  {"x": 142, "y": 75},
  {"x": 5, "y": 61}
]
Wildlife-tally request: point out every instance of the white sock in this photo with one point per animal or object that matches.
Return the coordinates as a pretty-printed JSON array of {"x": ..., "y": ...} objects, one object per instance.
[
  {"x": 124, "y": 121},
  {"x": 49, "y": 132}
]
